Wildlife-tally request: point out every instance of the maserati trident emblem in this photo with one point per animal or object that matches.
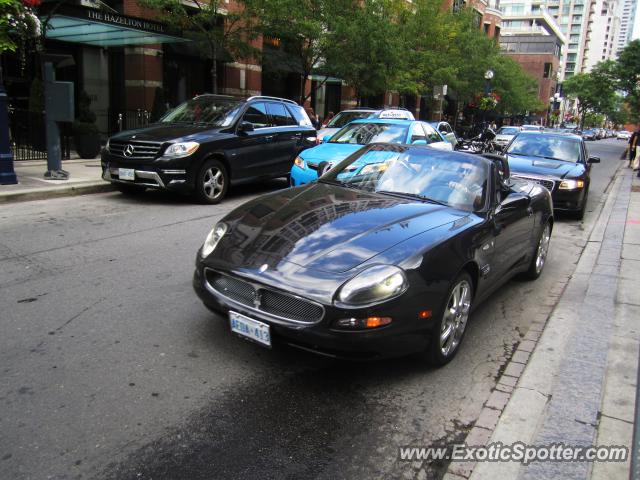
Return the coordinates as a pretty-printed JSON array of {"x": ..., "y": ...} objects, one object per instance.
[
  {"x": 263, "y": 268},
  {"x": 257, "y": 299},
  {"x": 128, "y": 150}
]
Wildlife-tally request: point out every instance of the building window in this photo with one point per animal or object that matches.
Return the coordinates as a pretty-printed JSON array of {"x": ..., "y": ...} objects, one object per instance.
[
  {"x": 547, "y": 70},
  {"x": 458, "y": 5},
  {"x": 571, "y": 57},
  {"x": 496, "y": 32},
  {"x": 487, "y": 26},
  {"x": 565, "y": 9},
  {"x": 576, "y": 19},
  {"x": 577, "y": 9},
  {"x": 573, "y": 46},
  {"x": 574, "y": 37}
]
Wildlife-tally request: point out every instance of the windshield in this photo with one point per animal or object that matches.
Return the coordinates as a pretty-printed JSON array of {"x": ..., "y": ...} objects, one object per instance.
[
  {"x": 205, "y": 109},
  {"x": 554, "y": 147},
  {"x": 456, "y": 180},
  {"x": 341, "y": 119},
  {"x": 365, "y": 133},
  {"x": 508, "y": 131}
]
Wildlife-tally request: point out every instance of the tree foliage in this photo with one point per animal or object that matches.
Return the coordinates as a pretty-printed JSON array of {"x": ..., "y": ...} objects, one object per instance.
[{"x": 595, "y": 91}]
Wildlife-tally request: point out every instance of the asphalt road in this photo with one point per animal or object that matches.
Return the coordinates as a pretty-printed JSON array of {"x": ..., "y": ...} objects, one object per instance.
[{"x": 110, "y": 367}]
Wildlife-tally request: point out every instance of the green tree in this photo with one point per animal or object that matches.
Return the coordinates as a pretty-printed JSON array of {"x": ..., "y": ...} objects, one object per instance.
[
  {"x": 225, "y": 34},
  {"x": 18, "y": 24},
  {"x": 595, "y": 91},
  {"x": 368, "y": 49},
  {"x": 628, "y": 77},
  {"x": 306, "y": 30}
]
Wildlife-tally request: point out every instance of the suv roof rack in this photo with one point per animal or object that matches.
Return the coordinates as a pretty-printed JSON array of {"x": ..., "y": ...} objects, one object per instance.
[
  {"x": 265, "y": 97},
  {"x": 214, "y": 95}
]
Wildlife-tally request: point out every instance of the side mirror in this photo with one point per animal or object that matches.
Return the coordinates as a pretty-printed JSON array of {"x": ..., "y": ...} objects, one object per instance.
[
  {"x": 419, "y": 142},
  {"x": 514, "y": 201},
  {"x": 326, "y": 138},
  {"x": 246, "y": 127},
  {"x": 593, "y": 160}
]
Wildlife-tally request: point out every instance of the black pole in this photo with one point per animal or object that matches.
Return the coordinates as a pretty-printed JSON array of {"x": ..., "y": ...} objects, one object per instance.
[{"x": 7, "y": 173}]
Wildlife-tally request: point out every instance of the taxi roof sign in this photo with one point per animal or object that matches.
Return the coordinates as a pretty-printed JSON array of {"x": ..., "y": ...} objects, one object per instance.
[{"x": 397, "y": 114}]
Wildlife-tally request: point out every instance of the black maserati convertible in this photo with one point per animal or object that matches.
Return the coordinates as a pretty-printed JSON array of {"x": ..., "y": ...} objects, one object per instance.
[{"x": 385, "y": 255}]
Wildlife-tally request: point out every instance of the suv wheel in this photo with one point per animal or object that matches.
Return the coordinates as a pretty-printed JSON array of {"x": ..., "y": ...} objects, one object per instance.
[{"x": 212, "y": 182}]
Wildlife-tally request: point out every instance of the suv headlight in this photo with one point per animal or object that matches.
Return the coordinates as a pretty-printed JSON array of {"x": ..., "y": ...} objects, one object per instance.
[
  {"x": 182, "y": 149},
  {"x": 211, "y": 242},
  {"x": 373, "y": 285},
  {"x": 571, "y": 184}
]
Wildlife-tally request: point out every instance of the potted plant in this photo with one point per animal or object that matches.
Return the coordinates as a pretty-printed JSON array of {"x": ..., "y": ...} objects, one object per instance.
[{"x": 85, "y": 131}]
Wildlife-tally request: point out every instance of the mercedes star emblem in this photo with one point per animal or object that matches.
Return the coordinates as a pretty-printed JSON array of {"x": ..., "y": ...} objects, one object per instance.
[{"x": 128, "y": 150}]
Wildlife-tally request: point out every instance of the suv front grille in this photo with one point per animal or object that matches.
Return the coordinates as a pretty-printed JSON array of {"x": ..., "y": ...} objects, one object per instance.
[
  {"x": 548, "y": 184},
  {"x": 264, "y": 299},
  {"x": 141, "y": 150}
]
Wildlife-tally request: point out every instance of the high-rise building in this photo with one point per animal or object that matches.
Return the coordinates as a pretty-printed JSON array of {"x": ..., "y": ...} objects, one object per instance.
[{"x": 627, "y": 16}]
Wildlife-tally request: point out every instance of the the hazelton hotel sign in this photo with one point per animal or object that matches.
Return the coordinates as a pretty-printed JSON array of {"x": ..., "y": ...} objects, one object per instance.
[{"x": 123, "y": 21}]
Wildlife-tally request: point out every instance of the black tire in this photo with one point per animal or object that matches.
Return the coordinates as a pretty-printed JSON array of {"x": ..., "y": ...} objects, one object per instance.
[
  {"x": 130, "y": 189},
  {"x": 442, "y": 351},
  {"x": 539, "y": 256},
  {"x": 212, "y": 182}
]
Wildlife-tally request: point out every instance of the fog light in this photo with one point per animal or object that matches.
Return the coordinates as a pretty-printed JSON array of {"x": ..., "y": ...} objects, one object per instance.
[{"x": 362, "y": 323}]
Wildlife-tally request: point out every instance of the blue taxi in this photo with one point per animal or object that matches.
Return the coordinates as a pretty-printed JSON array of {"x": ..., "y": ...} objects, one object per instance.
[{"x": 314, "y": 162}]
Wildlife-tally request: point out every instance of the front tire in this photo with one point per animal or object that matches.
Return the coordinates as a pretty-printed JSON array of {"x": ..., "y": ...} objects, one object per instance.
[
  {"x": 212, "y": 182},
  {"x": 580, "y": 213},
  {"x": 448, "y": 334},
  {"x": 539, "y": 257}
]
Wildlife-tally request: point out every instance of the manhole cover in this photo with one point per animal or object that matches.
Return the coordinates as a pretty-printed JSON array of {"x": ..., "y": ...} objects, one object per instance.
[{"x": 635, "y": 188}]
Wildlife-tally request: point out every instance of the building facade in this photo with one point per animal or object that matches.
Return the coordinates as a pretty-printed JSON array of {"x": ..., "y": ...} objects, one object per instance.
[{"x": 627, "y": 14}]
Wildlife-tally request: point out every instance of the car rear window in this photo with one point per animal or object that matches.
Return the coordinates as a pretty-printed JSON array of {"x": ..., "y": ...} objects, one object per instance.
[
  {"x": 280, "y": 115},
  {"x": 300, "y": 115}
]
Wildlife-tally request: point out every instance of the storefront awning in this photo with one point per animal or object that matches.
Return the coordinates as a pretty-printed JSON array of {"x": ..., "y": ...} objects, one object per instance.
[{"x": 105, "y": 29}]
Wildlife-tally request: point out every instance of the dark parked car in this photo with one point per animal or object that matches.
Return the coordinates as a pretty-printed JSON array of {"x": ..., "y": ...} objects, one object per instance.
[
  {"x": 558, "y": 161},
  {"x": 208, "y": 143},
  {"x": 383, "y": 260}
]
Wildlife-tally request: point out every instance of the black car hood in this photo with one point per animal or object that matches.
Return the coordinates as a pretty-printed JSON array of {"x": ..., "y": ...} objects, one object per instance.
[
  {"x": 164, "y": 132},
  {"x": 323, "y": 227},
  {"x": 543, "y": 166}
]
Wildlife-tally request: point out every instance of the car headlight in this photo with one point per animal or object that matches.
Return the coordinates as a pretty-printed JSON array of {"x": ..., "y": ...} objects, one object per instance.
[
  {"x": 300, "y": 163},
  {"x": 373, "y": 285},
  {"x": 181, "y": 149},
  {"x": 211, "y": 242},
  {"x": 571, "y": 184}
]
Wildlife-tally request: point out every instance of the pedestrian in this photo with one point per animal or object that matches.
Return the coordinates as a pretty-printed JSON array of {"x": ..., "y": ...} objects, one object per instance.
[
  {"x": 327, "y": 119},
  {"x": 633, "y": 143},
  {"x": 314, "y": 119}
]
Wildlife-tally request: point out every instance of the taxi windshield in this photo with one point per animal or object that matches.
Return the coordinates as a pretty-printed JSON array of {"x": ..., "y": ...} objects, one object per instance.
[
  {"x": 365, "y": 133},
  {"x": 342, "y": 118}
]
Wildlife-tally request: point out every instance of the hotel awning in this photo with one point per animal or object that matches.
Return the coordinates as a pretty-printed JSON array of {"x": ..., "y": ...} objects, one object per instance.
[{"x": 100, "y": 28}]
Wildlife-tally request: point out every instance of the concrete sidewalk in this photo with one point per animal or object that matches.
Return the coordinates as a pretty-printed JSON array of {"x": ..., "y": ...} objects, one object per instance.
[
  {"x": 85, "y": 177},
  {"x": 573, "y": 381}
]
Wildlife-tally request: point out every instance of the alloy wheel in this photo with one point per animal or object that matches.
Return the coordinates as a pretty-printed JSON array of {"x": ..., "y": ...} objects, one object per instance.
[
  {"x": 213, "y": 183},
  {"x": 543, "y": 248},
  {"x": 455, "y": 317}
]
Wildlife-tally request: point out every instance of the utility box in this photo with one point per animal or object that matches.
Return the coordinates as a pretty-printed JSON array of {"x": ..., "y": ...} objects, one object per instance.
[{"x": 59, "y": 102}]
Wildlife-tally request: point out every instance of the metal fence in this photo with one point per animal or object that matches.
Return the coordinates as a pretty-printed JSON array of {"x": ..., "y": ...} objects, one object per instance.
[{"x": 28, "y": 139}]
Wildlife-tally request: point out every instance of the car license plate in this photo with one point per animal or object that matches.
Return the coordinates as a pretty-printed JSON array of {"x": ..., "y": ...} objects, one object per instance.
[
  {"x": 250, "y": 328},
  {"x": 126, "y": 174}
]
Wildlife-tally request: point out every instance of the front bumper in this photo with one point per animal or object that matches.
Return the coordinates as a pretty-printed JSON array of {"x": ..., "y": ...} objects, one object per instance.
[
  {"x": 401, "y": 337},
  {"x": 161, "y": 174},
  {"x": 568, "y": 200},
  {"x": 301, "y": 176}
]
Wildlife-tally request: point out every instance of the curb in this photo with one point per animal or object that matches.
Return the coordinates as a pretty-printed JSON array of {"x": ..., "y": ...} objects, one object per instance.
[
  {"x": 62, "y": 191},
  {"x": 537, "y": 403}
]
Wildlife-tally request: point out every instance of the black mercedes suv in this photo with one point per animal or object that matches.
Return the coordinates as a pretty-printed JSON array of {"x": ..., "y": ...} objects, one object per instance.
[{"x": 208, "y": 143}]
